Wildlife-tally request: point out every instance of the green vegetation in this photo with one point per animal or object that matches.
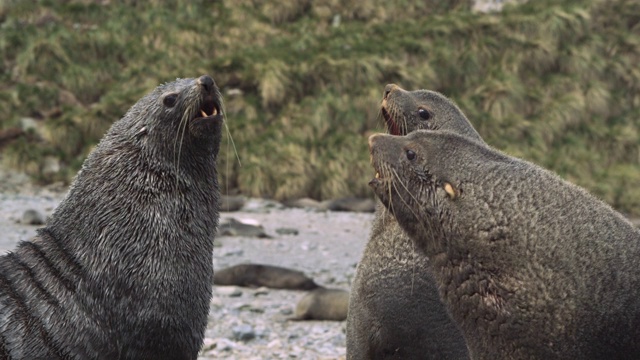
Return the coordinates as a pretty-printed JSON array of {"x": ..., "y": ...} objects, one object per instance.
[{"x": 555, "y": 82}]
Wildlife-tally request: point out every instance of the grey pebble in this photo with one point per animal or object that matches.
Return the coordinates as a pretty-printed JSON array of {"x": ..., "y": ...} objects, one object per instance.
[
  {"x": 32, "y": 217},
  {"x": 286, "y": 311},
  {"x": 287, "y": 231},
  {"x": 243, "y": 332},
  {"x": 230, "y": 291},
  {"x": 261, "y": 291},
  {"x": 233, "y": 252}
]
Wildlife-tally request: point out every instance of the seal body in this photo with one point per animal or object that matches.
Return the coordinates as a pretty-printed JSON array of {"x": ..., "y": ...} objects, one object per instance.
[
  {"x": 123, "y": 269},
  {"x": 323, "y": 304},
  {"x": 394, "y": 309},
  {"x": 529, "y": 265},
  {"x": 257, "y": 275}
]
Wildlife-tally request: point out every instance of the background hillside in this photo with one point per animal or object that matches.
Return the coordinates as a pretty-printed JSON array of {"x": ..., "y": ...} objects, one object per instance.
[{"x": 555, "y": 82}]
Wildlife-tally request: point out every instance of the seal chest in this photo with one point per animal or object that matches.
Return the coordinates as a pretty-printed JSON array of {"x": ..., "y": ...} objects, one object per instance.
[
  {"x": 529, "y": 265},
  {"x": 123, "y": 268}
]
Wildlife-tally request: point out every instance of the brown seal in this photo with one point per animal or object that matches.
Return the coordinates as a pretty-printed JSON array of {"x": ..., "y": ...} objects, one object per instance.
[
  {"x": 256, "y": 275},
  {"x": 530, "y": 266},
  {"x": 123, "y": 268},
  {"x": 395, "y": 310},
  {"x": 323, "y": 304}
]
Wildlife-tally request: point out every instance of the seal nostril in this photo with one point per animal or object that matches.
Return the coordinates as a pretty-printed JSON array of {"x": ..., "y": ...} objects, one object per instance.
[{"x": 207, "y": 82}]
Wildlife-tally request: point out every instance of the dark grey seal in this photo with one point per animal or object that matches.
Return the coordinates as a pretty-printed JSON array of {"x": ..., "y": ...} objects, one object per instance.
[
  {"x": 257, "y": 275},
  {"x": 395, "y": 310},
  {"x": 529, "y": 265},
  {"x": 123, "y": 268}
]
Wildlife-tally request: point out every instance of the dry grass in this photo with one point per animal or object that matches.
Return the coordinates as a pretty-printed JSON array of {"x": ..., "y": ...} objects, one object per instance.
[{"x": 554, "y": 82}]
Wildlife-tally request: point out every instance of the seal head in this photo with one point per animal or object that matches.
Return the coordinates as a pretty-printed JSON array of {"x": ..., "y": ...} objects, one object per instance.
[{"x": 406, "y": 111}]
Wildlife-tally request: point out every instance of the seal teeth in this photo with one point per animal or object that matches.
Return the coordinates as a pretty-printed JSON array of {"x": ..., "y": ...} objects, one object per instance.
[
  {"x": 215, "y": 111},
  {"x": 448, "y": 188},
  {"x": 204, "y": 114},
  {"x": 377, "y": 175}
]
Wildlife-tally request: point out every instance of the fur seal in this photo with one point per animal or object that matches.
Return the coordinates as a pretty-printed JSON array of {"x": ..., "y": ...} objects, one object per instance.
[
  {"x": 123, "y": 268},
  {"x": 235, "y": 227},
  {"x": 395, "y": 310},
  {"x": 530, "y": 266},
  {"x": 256, "y": 275},
  {"x": 323, "y": 304}
]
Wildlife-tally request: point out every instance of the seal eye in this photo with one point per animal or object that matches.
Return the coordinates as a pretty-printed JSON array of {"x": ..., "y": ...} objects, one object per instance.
[
  {"x": 170, "y": 100},
  {"x": 424, "y": 114},
  {"x": 411, "y": 155}
]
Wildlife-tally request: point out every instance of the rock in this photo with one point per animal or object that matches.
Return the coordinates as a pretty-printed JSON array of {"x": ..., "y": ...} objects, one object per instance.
[
  {"x": 234, "y": 227},
  {"x": 224, "y": 344},
  {"x": 287, "y": 231},
  {"x": 28, "y": 124},
  {"x": 262, "y": 206},
  {"x": 243, "y": 332},
  {"x": 230, "y": 291},
  {"x": 261, "y": 291},
  {"x": 353, "y": 204},
  {"x": 208, "y": 344},
  {"x": 51, "y": 165},
  {"x": 232, "y": 203},
  {"x": 32, "y": 217},
  {"x": 286, "y": 311},
  {"x": 254, "y": 307},
  {"x": 233, "y": 252}
]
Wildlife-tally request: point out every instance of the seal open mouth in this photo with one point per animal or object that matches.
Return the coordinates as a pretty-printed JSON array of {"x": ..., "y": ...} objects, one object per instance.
[
  {"x": 392, "y": 126},
  {"x": 209, "y": 109},
  {"x": 377, "y": 180}
]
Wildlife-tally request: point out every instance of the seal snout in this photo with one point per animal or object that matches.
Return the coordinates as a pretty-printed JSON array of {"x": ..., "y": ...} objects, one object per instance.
[
  {"x": 207, "y": 83},
  {"x": 210, "y": 106},
  {"x": 389, "y": 89}
]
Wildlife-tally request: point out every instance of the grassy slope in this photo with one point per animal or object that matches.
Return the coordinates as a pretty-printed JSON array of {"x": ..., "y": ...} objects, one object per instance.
[{"x": 554, "y": 82}]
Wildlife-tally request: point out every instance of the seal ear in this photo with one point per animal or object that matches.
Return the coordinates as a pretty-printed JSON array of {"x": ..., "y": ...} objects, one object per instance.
[
  {"x": 142, "y": 132},
  {"x": 451, "y": 191}
]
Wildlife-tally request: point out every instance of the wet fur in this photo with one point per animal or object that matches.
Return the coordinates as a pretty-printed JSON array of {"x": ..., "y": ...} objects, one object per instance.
[
  {"x": 123, "y": 269},
  {"x": 395, "y": 310},
  {"x": 530, "y": 266}
]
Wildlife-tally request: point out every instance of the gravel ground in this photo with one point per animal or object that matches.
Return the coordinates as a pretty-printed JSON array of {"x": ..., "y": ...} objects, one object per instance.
[{"x": 245, "y": 323}]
